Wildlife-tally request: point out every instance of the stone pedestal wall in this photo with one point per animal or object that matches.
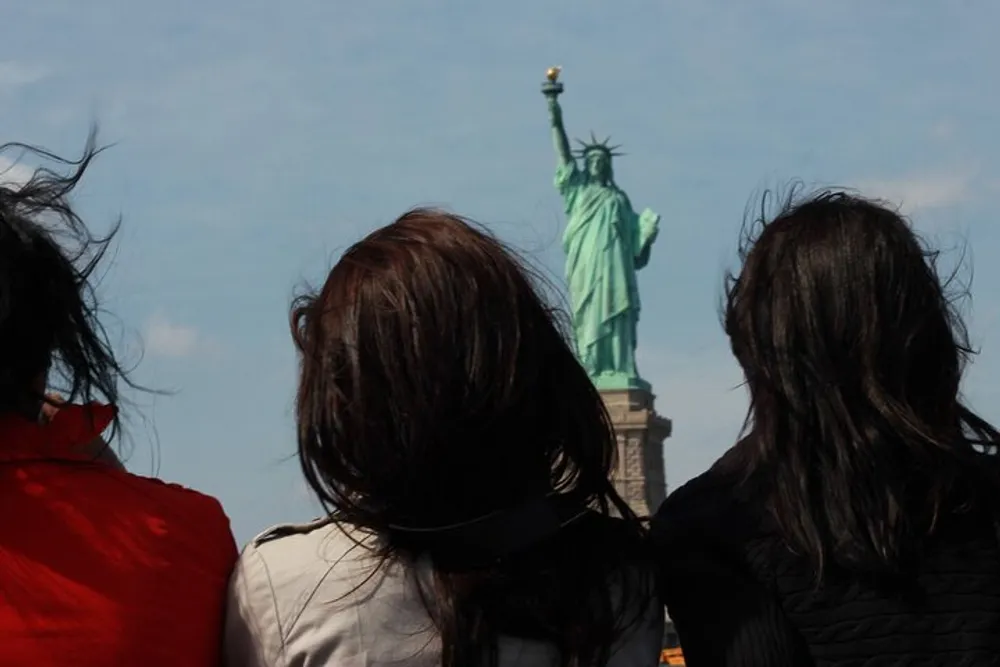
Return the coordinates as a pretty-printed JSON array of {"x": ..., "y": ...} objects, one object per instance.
[{"x": 639, "y": 476}]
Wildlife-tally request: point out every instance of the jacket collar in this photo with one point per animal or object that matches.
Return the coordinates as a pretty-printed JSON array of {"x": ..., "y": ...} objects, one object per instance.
[{"x": 64, "y": 437}]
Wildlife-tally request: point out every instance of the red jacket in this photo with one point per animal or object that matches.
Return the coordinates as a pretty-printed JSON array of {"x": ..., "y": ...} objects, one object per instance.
[{"x": 98, "y": 567}]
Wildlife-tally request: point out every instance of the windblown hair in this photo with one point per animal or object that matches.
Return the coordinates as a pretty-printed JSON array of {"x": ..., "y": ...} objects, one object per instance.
[
  {"x": 853, "y": 354},
  {"x": 438, "y": 392},
  {"x": 48, "y": 307}
]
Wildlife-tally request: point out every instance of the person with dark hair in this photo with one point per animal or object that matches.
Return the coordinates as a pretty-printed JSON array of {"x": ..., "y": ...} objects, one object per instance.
[
  {"x": 97, "y": 566},
  {"x": 464, "y": 457},
  {"x": 855, "y": 522}
]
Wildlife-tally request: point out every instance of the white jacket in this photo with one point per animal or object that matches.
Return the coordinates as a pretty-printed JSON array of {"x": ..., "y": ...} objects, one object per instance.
[{"x": 310, "y": 596}]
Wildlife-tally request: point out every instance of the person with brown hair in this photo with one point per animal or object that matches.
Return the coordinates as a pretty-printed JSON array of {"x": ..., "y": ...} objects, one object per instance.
[
  {"x": 464, "y": 458},
  {"x": 856, "y": 521}
]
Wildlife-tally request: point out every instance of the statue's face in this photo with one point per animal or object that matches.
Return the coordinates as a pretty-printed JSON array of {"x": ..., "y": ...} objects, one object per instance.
[{"x": 598, "y": 164}]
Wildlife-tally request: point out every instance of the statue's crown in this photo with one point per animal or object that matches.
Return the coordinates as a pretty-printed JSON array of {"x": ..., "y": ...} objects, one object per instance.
[{"x": 595, "y": 145}]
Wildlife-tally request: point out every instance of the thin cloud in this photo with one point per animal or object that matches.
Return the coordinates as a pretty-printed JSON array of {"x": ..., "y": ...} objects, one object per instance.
[
  {"x": 13, "y": 74},
  {"x": 922, "y": 192},
  {"x": 166, "y": 339},
  {"x": 944, "y": 130}
]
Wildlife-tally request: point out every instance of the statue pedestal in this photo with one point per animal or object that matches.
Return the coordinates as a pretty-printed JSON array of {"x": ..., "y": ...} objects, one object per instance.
[{"x": 639, "y": 476}]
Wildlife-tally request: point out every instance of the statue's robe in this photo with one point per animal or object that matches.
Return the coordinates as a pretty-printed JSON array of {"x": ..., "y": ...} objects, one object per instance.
[{"x": 605, "y": 243}]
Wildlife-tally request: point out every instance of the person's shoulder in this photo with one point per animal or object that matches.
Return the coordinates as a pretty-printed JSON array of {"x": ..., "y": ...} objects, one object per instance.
[
  {"x": 288, "y": 565},
  {"x": 333, "y": 537},
  {"x": 289, "y": 551},
  {"x": 709, "y": 494},
  {"x": 191, "y": 524},
  {"x": 200, "y": 507},
  {"x": 714, "y": 506}
]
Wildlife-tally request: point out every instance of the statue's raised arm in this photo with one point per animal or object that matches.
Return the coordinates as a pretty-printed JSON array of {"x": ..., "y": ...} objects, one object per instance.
[{"x": 552, "y": 89}]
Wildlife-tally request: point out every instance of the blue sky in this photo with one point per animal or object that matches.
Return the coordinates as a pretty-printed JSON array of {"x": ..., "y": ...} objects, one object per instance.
[{"x": 256, "y": 140}]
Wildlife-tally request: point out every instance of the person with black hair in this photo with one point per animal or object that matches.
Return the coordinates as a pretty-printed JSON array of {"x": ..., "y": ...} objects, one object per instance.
[
  {"x": 97, "y": 566},
  {"x": 856, "y": 521},
  {"x": 464, "y": 458}
]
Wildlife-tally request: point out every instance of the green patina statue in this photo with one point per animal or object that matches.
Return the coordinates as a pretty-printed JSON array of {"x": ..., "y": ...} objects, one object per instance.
[{"x": 605, "y": 243}]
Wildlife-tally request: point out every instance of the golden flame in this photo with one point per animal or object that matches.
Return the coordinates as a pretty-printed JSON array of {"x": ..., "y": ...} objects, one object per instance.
[{"x": 553, "y": 73}]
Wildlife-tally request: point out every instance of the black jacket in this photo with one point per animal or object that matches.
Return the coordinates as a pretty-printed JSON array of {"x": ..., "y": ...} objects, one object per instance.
[{"x": 738, "y": 596}]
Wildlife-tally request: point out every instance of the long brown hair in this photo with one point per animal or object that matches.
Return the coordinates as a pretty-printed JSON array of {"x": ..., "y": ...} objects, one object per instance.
[
  {"x": 437, "y": 390},
  {"x": 853, "y": 353}
]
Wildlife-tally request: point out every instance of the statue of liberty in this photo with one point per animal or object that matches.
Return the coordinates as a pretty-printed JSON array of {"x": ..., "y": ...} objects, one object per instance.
[{"x": 605, "y": 243}]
